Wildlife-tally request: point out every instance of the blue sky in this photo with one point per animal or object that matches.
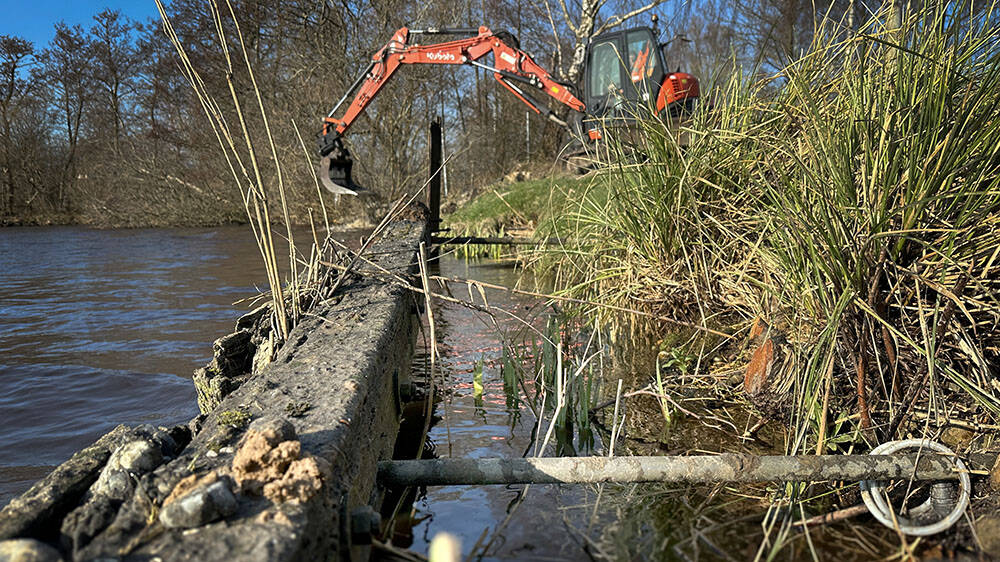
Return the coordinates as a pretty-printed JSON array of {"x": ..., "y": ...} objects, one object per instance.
[{"x": 34, "y": 19}]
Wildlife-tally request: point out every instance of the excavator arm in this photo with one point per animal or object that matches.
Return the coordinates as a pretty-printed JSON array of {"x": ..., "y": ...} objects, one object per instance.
[{"x": 512, "y": 67}]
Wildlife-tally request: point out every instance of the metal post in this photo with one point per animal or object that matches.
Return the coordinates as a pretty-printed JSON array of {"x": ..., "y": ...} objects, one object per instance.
[
  {"x": 434, "y": 185},
  {"x": 527, "y": 136}
]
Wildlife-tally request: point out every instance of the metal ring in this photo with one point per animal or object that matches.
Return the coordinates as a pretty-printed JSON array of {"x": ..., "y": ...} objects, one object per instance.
[{"x": 871, "y": 492}]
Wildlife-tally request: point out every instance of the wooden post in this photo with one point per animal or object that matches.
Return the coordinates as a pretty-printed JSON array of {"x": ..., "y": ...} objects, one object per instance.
[{"x": 434, "y": 186}]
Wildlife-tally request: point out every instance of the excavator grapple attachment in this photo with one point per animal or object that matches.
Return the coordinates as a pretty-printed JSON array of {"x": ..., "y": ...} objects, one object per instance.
[{"x": 335, "y": 171}]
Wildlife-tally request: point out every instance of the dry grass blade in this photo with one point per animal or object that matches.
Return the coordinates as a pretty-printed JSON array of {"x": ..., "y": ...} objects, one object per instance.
[{"x": 242, "y": 156}]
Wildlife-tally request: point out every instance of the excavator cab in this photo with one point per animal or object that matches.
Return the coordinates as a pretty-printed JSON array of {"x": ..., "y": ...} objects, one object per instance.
[{"x": 625, "y": 70}]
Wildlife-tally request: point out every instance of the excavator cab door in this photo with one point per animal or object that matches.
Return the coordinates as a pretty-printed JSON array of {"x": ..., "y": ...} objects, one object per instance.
[{"x": 645, "y": 65}]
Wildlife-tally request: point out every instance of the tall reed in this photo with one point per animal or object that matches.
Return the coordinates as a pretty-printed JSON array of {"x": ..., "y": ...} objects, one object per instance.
[
  {"x": 850, "y": 200},
  {"x": 257, "y": 172}
]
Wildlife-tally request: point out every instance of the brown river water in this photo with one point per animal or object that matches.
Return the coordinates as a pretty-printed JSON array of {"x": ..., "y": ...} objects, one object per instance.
[
  {"x": 105, "y": 327},
  {"x": 541, "y": 522}
]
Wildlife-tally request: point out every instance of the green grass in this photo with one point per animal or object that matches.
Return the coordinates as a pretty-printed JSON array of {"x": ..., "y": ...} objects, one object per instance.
[{"x": 515, "y": 206}]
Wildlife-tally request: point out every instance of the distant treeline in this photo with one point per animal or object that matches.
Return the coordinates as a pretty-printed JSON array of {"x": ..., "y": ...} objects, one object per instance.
[{"x": 100, "y": 126}]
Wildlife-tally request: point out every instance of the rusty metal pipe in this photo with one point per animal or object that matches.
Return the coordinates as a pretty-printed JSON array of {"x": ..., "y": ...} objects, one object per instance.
[{"x": 691, "y": 469}]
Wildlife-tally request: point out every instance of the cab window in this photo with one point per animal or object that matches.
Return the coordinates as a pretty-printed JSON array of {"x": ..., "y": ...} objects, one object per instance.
[
  {"x": 641, "y": 56},
  {"x": 605, "y": 70}
]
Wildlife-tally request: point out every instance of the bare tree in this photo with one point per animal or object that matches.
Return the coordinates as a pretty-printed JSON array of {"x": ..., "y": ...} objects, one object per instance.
[
  {"x": 15, "y": 53},
  {"x": 67, "y": 73},
  {"x": 116, "y": 65},
  {"x": 586, "y": 22},
  {"x": 775, "y": 32},
  {"x": 703, "y": 40}
]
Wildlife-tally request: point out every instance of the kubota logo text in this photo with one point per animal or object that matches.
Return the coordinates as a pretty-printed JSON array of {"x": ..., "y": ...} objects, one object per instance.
[{"x": 440, "y": 56}]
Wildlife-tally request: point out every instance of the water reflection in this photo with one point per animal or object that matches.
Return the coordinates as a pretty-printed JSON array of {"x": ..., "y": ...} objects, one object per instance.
[{"x": 487, "y": 373}]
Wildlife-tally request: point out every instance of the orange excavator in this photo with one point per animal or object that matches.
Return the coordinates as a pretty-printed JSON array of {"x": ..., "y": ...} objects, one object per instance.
[{"x": 621, "y": 69}]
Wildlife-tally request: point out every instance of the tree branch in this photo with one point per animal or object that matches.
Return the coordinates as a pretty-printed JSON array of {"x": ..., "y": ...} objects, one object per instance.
[
  {"x": 621, "y": 18},
  {"x": 569, "y": 19},
  {"x": 555, "y": 37}
]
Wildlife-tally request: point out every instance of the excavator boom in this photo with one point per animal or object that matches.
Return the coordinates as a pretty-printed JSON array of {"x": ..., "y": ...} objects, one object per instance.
[{"x": 512, "y": 67}]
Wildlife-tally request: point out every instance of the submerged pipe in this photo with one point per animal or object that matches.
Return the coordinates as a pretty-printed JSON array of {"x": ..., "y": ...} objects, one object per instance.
[{"x": 699, "y": 469}]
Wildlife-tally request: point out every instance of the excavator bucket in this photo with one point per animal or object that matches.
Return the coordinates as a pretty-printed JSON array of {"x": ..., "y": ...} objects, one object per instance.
[{"x": 335, "y": 172}]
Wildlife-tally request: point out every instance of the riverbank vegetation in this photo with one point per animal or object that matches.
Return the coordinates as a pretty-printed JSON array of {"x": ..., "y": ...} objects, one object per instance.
[
  {"x": 848, "y": 203},
  {"x": 837, "y": 220}
]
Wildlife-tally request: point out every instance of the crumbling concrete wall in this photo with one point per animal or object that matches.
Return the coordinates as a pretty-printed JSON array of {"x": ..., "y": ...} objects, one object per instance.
[
  {"x": 279, "y": 470},
  {"x": 235, "y": 357}
]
